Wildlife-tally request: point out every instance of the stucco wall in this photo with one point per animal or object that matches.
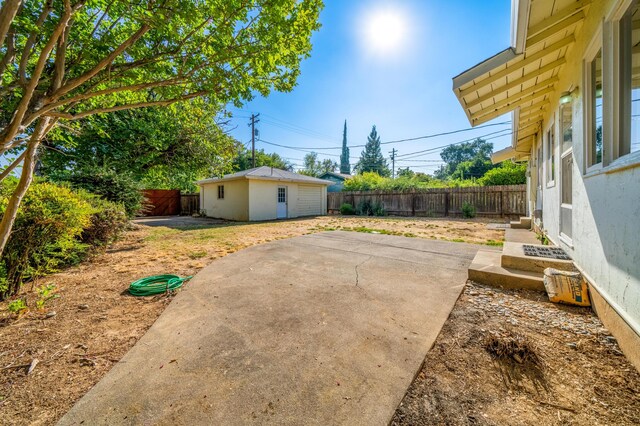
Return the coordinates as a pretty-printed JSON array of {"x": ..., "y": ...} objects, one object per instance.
[
  {"x": 234, "y": 206},
  {"x": 606, "y": 205}
]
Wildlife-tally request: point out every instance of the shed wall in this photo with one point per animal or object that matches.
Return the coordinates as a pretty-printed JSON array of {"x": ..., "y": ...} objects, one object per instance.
[{"x": 234, "y": 206}]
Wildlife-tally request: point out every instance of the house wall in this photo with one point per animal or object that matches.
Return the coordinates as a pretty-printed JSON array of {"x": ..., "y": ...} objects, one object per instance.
[
  {"x": 606, "y": 204},
  {"x": 234, "y": 206}
]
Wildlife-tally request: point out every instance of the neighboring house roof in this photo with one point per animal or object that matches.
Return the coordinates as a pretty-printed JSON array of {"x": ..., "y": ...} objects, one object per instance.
[
  {"x": 267, "y": 173},
  {"x": 342, "y": 176},
  {"x": 523, "y": 78}
]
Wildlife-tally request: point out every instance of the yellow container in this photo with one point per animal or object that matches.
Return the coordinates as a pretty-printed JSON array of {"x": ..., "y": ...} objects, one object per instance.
[{"x": 566, "y": 287}]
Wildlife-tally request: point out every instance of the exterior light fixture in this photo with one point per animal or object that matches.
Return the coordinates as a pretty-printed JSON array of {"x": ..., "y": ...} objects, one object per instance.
[{"x": 565, "y": 98}]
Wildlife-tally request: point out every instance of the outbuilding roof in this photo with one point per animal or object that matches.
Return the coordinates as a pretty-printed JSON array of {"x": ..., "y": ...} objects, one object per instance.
[
  {"x": 338, "y": 175},
  {"x": 268, "y": 173}
]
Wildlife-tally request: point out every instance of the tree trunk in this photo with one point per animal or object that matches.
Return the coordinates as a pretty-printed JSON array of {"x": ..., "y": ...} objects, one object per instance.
[{"x": 26, "y": 177}]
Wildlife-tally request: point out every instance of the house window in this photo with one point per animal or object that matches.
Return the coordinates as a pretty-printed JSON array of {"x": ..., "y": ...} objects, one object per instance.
[
  {"x": 220, "y": 192},
  {"x": 551, "y": 156},
  {"x": 282, "y": 195},
  {"x": 566, "y": 127},
  {"x": 629, "y": 54},
  {"x": 594, "y": 134}
]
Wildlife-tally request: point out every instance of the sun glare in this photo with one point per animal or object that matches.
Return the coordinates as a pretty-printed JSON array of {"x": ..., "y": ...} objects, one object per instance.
[{"x": 385, "y": 30}]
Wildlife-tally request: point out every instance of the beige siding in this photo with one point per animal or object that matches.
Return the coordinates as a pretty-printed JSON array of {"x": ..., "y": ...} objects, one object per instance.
[
  {"x": 234, "y": 206},
  {"x": 309, "y": 200},
  {"x": 302, "y": 200}
]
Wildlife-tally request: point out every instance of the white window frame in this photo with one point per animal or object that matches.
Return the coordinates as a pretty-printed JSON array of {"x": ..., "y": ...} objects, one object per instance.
[
  {"x": 550, "y": 151},
  {"x": 595, "y": 46},
  {"x": 620, "y": 85}
]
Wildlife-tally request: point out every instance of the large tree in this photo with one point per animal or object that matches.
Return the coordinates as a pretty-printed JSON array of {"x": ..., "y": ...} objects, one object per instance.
[
  {"x": 345, "y": 166},
  {"x": 68, "y": 59},
  {"x": 160, "y": 147},
  {"x": 315, "y": 167},
  {"x": 371, "y": 159},
  {"x": 243, "y": 161},
  {"x": 477, "y": 150}
]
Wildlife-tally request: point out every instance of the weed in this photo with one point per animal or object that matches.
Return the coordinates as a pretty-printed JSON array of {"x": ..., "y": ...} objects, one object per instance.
[
  {"x": 494, "y": 243},
  {"x": 468, "y": 210},
  {"x": 17, "y": 306},
  {"x": 46, "y": 293}
]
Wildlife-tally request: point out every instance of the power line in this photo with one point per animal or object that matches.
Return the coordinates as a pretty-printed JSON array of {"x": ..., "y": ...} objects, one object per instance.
[{"x": 431, "y": 150}]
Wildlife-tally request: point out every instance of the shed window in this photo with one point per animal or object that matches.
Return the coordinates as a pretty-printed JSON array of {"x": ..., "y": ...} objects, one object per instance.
[
  {"x": 220, "y": 192},
  {"x": 629, "y": 120}
]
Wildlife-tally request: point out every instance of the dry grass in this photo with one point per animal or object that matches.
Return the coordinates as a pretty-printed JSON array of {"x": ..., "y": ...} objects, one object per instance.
[{"x": 96, "y": 321}]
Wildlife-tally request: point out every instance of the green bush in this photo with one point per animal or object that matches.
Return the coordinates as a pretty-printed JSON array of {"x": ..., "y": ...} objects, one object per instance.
[
  {"x": 378, "y": 210},
  {"x": 108, "y": 221},
  {"x": 509, "y": 173},
  {"x": 468, "y": 210},
  {"x": 45, "y": 233},
  {"x": 364, "y": 208},
  {"x": 56, "y": 226},
  {"x": 347, "y": 209},
  {"x": 116, "y": 187}
]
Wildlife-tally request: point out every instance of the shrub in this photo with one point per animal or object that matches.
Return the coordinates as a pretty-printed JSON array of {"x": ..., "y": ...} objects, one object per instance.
[
  {"x": 364, "y": 208},
  {"x": 347, "y": 209},
  {"x": 45, "y": 233},
  {"x": 378, "y": 210},
  {"x": 108, "y": 221},
  {"x": 116, "y": 187},
  {"x": 468, "y": 210},
  {"x": 509, "y": 173}
]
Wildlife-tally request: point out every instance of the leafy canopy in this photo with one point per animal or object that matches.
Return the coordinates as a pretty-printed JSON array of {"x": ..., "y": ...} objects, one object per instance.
[
  {"x": 160, "y": 147},
  {"x": 315, "y": 167},
  {"x": 242, "y": 160}
]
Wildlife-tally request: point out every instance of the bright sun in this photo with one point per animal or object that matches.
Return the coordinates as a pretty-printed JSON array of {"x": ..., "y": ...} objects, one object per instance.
[{"x": 385, "y": 30}]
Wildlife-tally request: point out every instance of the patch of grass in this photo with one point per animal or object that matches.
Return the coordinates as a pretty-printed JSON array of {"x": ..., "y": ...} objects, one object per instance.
[
  {"x": 457, "y": 240},
  {"x": 494, "y": 243},
  {"x": 197, "y": 254}
]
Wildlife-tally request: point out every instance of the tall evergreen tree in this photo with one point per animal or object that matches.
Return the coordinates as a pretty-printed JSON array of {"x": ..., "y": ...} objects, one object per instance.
[
  {"x": 371, "y": 159},
  {"x": 345, "y": 167}
]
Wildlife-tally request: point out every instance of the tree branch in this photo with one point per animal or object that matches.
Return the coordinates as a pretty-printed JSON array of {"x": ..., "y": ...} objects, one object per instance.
[
  {"x": 12, "y": 166},
  {"x": 31, "y": 40},
  {"x": 80, "y": 115},
  {"x": 102, "y": 64},
  {"x": 7, "y": 13},
  {"x": 10, "y": 132}
]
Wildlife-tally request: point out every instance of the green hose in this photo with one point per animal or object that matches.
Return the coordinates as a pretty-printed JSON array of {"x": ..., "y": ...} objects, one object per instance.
[{"x": 156, "y": 284}]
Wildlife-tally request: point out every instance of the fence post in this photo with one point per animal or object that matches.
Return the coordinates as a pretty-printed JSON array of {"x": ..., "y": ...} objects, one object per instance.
[
  {"x": 501, "y": 204},
  {"x": 446, "y": 203},
  {"x": 413, "y": 203}
]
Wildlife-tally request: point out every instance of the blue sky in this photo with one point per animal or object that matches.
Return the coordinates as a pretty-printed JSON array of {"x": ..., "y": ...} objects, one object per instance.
[{"x": 405, "y": 90}]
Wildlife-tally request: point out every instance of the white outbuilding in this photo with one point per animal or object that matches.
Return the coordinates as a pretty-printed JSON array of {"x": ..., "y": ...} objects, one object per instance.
[{"x": 263, "y": 193}]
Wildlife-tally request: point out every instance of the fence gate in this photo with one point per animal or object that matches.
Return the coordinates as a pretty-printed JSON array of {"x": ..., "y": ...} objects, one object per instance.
[{"x": 162, "y": 202}]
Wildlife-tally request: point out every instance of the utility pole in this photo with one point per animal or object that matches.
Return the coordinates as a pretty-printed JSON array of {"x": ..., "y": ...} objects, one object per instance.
[
  {"x": 393, "y": 163},
  {"x": 254, "y": 120}
]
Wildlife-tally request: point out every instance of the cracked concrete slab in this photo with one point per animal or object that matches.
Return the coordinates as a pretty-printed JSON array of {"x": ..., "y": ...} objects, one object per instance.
[{"x": 287, "y": 333}]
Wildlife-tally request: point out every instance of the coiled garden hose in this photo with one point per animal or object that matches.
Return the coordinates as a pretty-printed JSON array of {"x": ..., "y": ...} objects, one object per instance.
[{"x": 156, "y": 284}]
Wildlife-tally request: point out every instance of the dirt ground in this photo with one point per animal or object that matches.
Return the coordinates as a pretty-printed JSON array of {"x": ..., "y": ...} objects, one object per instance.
[
  {"x": 578, "y": 376},
  {"x": 78, "y": 336}
]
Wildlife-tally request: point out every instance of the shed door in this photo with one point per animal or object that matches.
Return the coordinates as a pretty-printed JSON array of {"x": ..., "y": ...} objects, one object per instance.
[
  {"x": 281, "y": 210},
  {"x": 309, "y": 200}
]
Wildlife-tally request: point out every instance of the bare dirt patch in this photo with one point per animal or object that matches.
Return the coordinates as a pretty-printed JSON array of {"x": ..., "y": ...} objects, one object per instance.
[
  {"x": 508, "y": 357},
  {"x": 96, "y": 322}
]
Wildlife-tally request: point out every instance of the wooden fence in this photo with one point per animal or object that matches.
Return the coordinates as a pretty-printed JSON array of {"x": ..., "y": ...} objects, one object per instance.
[
  {"x": 189, "y": 204},
  {"x": 162, "y": 202},
  {"x": 491, "y": 201}
]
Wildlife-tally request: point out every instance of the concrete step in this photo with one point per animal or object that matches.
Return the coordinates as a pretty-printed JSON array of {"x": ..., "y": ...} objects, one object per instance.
[
  {"x": 513, "y": 257},
  {"x": 486, "y": 269},
  {"x": 523, "y": 223}
]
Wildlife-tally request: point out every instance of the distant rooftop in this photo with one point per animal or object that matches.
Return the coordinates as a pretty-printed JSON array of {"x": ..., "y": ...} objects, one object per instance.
[
  {"x": 340, "y": 175},
  {"x": 267, "y": 173}
]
